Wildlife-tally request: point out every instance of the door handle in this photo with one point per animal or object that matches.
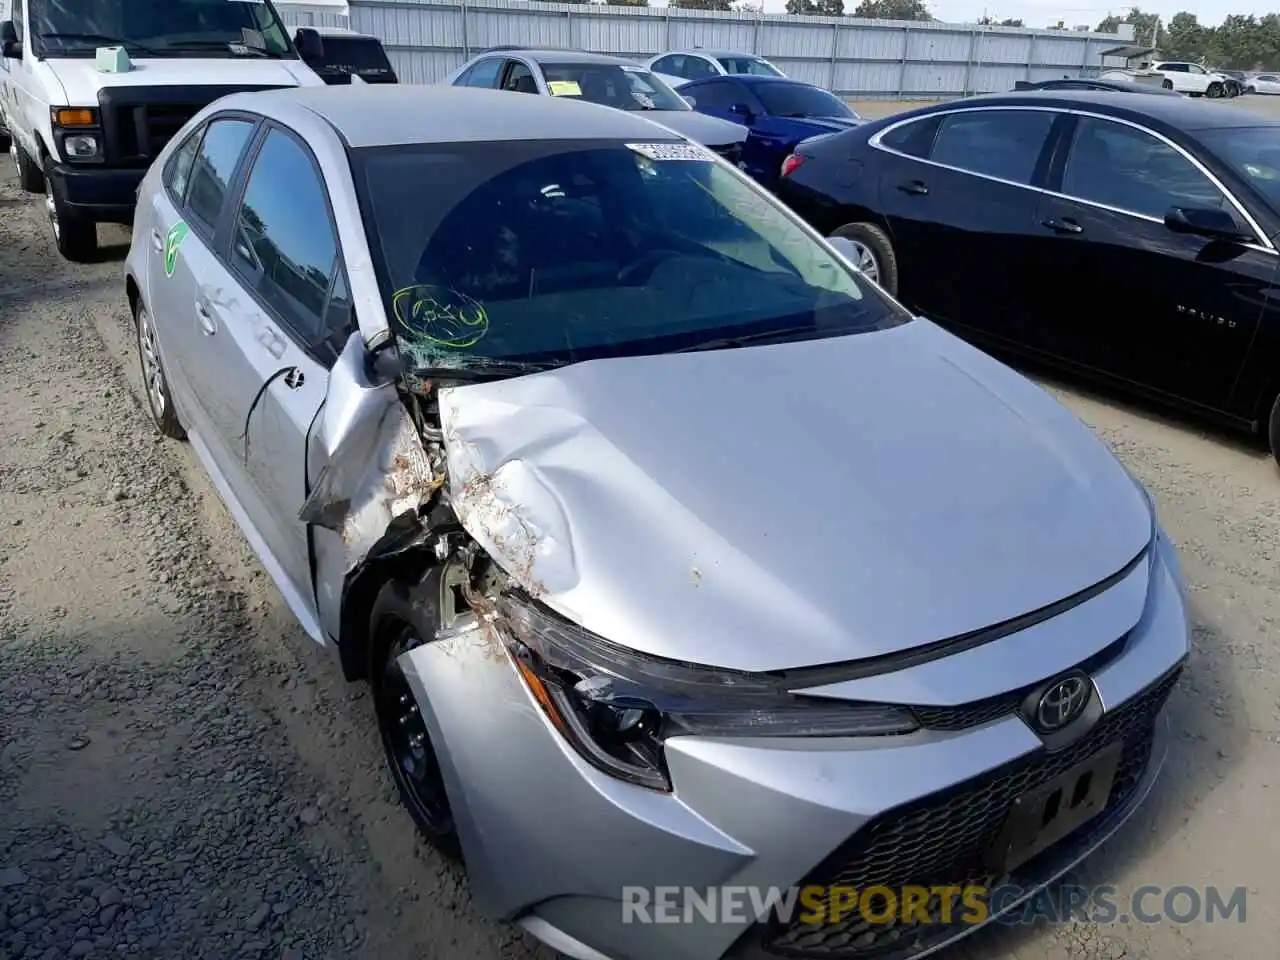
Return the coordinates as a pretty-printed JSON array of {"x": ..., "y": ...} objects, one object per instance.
[
  {"x": 207, "y": 324},
  {"x": 157, "y": 241},
  {"x": 916, "y": 188},
  {"x": 1065, "y": 225}
]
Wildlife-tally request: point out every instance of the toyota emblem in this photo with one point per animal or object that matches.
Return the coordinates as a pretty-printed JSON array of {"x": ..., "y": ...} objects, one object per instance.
[{"x": 1062, "y": 703}]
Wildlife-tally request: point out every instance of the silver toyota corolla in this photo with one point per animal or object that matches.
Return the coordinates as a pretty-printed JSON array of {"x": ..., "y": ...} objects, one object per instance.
[{"x": 677, "y": 555}]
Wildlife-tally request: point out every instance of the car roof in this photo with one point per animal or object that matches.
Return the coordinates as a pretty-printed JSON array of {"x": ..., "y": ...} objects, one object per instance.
[
  {"x": 752, "y": 79},
  {"x": 389, "y": 114},
  {"x": 340, "y": 32},
  {"x": 1181, "y": 112},
  {"x": 717, "y": 53},
  {"x": 551, "y": 55}
]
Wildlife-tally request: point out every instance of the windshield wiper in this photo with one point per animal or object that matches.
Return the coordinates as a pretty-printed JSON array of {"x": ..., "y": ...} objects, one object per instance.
[
  {"x": 231, "y": 46},
  {"x": 102, "y": 38},
  {"x": 784, "y": 335}
]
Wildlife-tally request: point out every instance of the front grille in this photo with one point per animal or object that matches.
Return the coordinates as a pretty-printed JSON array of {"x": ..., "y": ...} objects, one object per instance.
[
  {"x": 144, "y": 129},
  {"x": 977, "y": 712},
  {"x": 941, "y": 840},
  {"x": 138, "y": 122}
]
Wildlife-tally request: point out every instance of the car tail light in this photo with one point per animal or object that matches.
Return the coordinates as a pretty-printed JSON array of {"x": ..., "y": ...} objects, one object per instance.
[{"x": 791, "y": 164}]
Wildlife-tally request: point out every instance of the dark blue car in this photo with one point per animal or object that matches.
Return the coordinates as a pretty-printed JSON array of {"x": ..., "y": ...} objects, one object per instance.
[{"x": 778, "y": 111}]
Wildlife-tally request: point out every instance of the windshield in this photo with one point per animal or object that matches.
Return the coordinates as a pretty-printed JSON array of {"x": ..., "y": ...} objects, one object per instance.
[
  {"x": 172, "y": 28},
  {"x": 359, "y": 55},
  {"x": 627, "y": 88},
  {"x": 1253, "y": 152},
  {"x": 555, "y": 252},
  {"x": 753, "y": 65},
  {"x": 798, "y": 100}
]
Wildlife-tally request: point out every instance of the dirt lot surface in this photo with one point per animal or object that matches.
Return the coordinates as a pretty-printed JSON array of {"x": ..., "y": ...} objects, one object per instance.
[{"x": 183, "y": 776}]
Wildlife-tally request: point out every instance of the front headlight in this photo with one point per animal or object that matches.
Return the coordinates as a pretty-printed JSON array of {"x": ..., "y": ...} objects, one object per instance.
[{"x": 617, "y": 707}]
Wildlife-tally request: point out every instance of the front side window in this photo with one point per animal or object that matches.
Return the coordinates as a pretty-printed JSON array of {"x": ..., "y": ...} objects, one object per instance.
[
  {"x": 799, "y": 100},
  {"x": 998, "y": 143},
  {"x": 520, "y": 79},
  {"x": 174, "y": 28},
  {"x": 556, "y": 252},
  {"x": 284, "y": 245},
  {"x": 178, "y": 174},
  {"x": 695, "y": 68},
  {"x": 718, "y": 95},
  {"x": 753, "y": 66},
  {"x": 668, "y": 65},
  {"x": 1195, "y": 68},
  {"x": 613, "y": 85},
  {"x": 1130, "y": 169},
  {"x": 219, "y": 153}
]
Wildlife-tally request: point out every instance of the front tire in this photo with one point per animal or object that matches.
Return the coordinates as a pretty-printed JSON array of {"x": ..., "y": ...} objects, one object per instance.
[
  {"x": 154, "y": 381},
  {"x": 75, "y": 235},
  {"x": 876, "y": 257},
  {"x": 404, "y": 616},
  {"x": 1168, "y": 84},
  {"x": 1214, "y": 91}
]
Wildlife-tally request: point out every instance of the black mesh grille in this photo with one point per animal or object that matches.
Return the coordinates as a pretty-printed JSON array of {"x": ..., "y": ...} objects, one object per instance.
[
  {"x": 941, "y": 840},
  {"x": 978, "y": 712}
]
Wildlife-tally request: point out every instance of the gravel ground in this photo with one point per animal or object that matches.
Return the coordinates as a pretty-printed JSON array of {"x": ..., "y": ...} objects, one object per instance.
[{"x": 182, "y": 774}]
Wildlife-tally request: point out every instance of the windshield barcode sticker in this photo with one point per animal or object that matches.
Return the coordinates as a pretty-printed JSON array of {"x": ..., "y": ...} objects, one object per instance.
[{"x": 672, "y": 151}]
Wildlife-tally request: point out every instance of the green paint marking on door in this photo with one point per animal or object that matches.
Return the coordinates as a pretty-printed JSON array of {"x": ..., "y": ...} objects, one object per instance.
[{"x": 172, "y": 241}]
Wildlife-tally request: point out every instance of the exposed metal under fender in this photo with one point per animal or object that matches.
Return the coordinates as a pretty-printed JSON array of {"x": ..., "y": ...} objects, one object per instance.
[{"x": 371, "y": 467}]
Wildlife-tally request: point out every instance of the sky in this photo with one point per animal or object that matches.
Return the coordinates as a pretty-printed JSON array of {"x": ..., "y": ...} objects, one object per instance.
[{"x": 1043, "y": 13}]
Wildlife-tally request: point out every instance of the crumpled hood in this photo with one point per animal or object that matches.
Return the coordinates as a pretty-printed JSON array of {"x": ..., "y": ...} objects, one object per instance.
[
  {"x": 706, "y": 130},
  {"x": 82, "y": 80},
  {"x": 790, "y": 505}
]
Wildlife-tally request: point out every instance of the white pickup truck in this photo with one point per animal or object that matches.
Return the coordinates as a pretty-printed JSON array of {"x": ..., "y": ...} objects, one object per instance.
[{"x": 91, "y": 91}]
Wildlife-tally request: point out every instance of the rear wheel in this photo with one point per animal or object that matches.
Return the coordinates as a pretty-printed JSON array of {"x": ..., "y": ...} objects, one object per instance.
[
  {"x": 30, "y": 176},
  {"x": 1167, "y": 84},
  {"x": 405, "y": 616},
  {"x": 876, "y": 257}
]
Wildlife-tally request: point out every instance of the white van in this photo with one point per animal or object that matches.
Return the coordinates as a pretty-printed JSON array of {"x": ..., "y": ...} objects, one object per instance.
[{"x": 91, "y": 90}]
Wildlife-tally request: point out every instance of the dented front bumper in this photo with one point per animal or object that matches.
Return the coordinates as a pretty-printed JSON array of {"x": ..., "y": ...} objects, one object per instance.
[{"x": 551, "y": 842}]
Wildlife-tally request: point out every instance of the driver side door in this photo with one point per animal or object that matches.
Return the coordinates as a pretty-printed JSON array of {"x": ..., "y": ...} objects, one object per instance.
[{"x": 1127, "y": 296}]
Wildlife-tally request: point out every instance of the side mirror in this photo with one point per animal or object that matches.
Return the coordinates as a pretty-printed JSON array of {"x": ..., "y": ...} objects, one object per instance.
[
  {"x": 743, "y": 111},
  {"x": 1209, "y": 222},
  {"x": 10, "y": 45},
  {"x": 310, "y": 46}
]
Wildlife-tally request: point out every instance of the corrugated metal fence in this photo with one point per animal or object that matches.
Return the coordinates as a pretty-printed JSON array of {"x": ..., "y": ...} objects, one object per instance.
[{"x": 425, "y": 39}]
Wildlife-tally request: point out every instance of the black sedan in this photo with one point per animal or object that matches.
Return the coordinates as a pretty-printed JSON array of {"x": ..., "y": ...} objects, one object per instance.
[
  {"x": 1131, "y": 238},
  {"x": 1068, "y": 84}
]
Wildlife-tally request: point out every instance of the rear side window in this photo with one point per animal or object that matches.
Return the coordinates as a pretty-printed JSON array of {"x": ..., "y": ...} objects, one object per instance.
[
  {"x": 718, "y": 95},
  {"x": 284, "y": 244},
  {"x": 219, "y": 153},
  {"x": 178, "y": 175},
  {"x": 914, "y": 139},
  {"x": 483, "y": 74},
  {"x": 997, "y": 143}
]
